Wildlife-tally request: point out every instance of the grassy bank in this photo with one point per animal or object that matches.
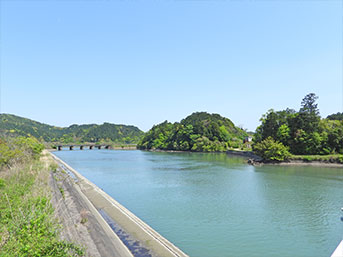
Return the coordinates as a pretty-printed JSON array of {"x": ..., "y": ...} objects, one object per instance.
[
  {"x": 28, "y": 226},
  {"x": 332, "y": 158}
]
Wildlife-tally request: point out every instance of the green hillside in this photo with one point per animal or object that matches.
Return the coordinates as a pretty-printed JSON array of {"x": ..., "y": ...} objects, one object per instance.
[
  {"x": 11, "y": 125},
  {"x": 200, "y": 132},
  {"x": 335, "y": 116}
]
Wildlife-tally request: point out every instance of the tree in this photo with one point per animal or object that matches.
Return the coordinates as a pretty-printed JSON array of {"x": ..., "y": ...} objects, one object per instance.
[
  {"x": 336, "y": 116},
  {"x": 334, "y": 134},
  {"x": 308, "y": 104},
  {"x": 300, "y": 131},
  {"x": 271, "y": 123},
  {"x": 271, "y": 150},
  {"x": 283, "y": 134}
]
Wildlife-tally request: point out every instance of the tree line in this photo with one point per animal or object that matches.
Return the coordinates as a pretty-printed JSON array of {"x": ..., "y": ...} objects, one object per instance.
[
  {"x": 11, "y": 125},
  {"x": 281, "y": 133},
  {"x": 302, "y": 132}
]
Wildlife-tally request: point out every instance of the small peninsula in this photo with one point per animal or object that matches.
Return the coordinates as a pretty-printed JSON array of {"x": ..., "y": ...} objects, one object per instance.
[{"x": 198, "y": 132}]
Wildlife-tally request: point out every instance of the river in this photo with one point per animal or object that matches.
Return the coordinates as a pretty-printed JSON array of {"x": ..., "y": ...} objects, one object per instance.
[{"x": 215, "y": 205}]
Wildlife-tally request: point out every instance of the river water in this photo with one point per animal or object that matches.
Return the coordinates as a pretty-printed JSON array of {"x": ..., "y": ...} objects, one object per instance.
[{"x": 215, "y": 205}]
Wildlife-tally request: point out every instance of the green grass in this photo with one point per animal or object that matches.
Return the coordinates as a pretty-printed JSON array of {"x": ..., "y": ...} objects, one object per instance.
[
  {"x": 27, "y": 223},
  {"x": 332, "y": 158}
]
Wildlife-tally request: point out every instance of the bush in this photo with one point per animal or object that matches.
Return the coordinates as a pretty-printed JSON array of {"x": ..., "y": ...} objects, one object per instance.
[
  {"x": 29, "y": 145},
  {"x": 271, "y": 150},
  {"x": 19, "y": 150}
]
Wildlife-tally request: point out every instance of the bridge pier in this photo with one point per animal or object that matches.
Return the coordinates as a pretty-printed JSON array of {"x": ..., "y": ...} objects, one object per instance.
[{"x": 82, "y": 147}]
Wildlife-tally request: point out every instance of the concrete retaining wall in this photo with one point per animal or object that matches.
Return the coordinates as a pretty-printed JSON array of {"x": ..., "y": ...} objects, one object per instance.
[{"x": 126, "y": 219}]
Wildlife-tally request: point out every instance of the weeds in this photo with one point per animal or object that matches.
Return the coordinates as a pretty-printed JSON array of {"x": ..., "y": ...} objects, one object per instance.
[
  {"x": 62, "y": 191},
  {"x": 84, "y": 216},
  {"x": 27, "y": 224},
  {"x": 53, "y": 167}
]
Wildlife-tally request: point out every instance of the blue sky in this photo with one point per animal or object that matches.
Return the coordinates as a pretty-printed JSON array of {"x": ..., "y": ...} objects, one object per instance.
[{"x": 143, "y": 62}]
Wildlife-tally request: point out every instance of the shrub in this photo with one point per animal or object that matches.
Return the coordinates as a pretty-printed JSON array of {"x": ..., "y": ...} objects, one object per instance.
[
  {"x": 271, "y": 150},
  {"x": 30, "y": 145},
  {"x": 19, "y": 150}
]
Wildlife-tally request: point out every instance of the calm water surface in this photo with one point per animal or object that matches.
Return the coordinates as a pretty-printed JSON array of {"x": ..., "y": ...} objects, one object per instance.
[{"x": 213, "y": 205}]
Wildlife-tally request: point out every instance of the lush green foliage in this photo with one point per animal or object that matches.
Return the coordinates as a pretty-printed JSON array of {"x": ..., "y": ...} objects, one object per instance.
[
  {"x": 271, "y": 150},
  {"x": 27, "y": 225},
  {"x": 336, "y": 116},
  {"x": 18, "y": 150},
  {"x": 200, "y": 132},
  {"x": 330, "y": 158},
  {"x": 14, "y": 125},
  {"x": 304, "y": 132}
]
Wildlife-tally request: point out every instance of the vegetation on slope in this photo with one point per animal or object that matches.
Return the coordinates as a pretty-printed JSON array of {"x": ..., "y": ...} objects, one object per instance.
[
  {"x": 200, "y": 132},
  {"x": 16, "y": 151},
  {"x": 302, "y": 132},
  {"x": 27, "y": 223},
  {"x": 335, "y": 116},
  {"x": 18, "y": 126}
]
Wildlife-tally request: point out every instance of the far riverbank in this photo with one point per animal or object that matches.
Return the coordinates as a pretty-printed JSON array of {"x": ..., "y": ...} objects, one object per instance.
[
  {"x": 304, "y": 163},
  {"x": 195, "y": 199},
  {"x": 253, "y": 159},
  {"x": 308, "y": 160}
]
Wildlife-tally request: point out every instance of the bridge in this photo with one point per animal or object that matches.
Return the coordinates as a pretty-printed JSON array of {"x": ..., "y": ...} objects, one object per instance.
[{"x": 82, "y": 146}]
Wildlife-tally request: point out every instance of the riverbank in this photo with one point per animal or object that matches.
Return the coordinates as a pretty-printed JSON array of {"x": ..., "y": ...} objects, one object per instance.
[
  {"x": 236, "y": 152},
  {"x": 306, "y": 163},
  {"x": 253, "y": 159},
  {"x": 123, "y": 148},
  {"x": 256, "y": 160},
  {"x": 246, "y": 154},
  {"x": 296, "y": 162},
  {"x": 29, "y": 225},
  {"x": 80, "y": 220},
  {"x": 118, "y": 216}
]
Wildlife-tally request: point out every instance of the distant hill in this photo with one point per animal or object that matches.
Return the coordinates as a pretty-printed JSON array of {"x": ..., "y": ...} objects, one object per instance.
[
  {"x": 15, "y": 125},
  {"x": 200, "y": 132},
  {"x": 335, "y": 116}
]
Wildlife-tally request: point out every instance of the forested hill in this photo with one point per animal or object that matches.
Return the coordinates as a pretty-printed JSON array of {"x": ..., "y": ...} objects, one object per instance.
[
  {"x": 14, "y": 125},
  {"x": 201, "y": 132}
]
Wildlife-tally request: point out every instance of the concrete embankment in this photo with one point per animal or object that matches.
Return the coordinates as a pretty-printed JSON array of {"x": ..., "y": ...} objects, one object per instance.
[
  {"x": 82, "y": 224},
  {"x": 136, "y": 228}
]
